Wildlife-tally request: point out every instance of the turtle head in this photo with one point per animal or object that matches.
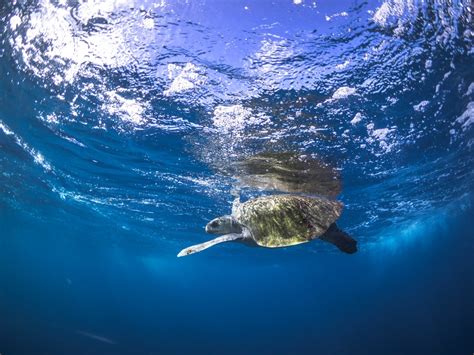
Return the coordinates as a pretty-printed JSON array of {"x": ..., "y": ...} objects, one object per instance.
[{"x": 224, "y": 225}]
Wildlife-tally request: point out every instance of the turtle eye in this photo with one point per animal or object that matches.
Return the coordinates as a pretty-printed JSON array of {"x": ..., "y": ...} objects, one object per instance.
[{"x": 214, "y": 224}]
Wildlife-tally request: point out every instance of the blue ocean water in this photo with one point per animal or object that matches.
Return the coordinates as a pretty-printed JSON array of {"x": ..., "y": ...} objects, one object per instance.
[{"x": 119, "y": 120}]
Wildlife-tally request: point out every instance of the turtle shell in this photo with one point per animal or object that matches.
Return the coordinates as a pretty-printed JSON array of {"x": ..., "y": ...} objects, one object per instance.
[{"x": 284, "y": 220}]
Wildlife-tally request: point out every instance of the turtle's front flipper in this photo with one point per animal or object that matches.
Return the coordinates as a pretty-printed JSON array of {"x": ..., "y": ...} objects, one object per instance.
[
  {"x": 340, "y": 239},
  {"x": 200, "y": 247}
]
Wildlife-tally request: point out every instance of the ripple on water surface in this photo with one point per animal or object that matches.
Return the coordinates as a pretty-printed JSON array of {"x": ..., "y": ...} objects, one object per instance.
[{"x": 134, "y": 110}]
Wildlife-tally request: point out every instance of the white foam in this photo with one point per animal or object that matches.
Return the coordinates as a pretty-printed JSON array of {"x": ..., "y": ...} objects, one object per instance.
[
  {"x": 5, "y": 129},
  {"x": 382, "y": 14},
  {"x": 381, "y": 133},
  {"x": 343, "y": 92},
  {"x": 129, "y": 110},
  {"x": 149, "y": 23},
  {"x": 73, "y": 140},
  {"x": 272, "y": 65},
  {"x": 381, "y": 136},
  {"x": 38, "y": 158},
  {"x": 15, "y": 21},
  {"x": 68, "y": 47},
  {"x": 467, "y": 118},
  {"x": 52, "y": 118},
  {"x": 391, "y": 13},
  {"x": 357, "y": 118},
  {"x": 470, "y": 90},
  {"x": 235, "y": 117},
  {"x": 421, "y": 106},
  {"x": 339, "y": 14},
  {"x": 183, "y": 78},
  {"x": 343, "y": 65},
  {"x": 392, "y": 100}
]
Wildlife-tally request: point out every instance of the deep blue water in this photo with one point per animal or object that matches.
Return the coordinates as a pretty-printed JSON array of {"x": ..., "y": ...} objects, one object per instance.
[{"x": 119, "y": 121}]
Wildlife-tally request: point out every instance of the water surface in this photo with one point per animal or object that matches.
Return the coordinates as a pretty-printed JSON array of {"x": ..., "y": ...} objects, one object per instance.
[{"x": 119, "y": 120}]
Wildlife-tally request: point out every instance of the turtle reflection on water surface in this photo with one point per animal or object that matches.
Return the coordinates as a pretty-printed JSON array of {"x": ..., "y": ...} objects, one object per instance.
[{"x": 287, "y": 172}]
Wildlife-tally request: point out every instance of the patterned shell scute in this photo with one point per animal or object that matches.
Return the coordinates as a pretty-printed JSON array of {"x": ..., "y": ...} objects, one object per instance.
[{"x": 284, "y": 220}]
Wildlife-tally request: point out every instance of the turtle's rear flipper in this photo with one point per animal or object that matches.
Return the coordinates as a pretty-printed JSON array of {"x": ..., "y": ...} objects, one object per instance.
[{"x": 340, "y": 239}]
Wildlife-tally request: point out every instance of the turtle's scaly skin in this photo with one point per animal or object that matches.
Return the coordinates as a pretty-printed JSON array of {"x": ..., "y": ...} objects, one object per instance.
[{"x": 284, "y": 220}]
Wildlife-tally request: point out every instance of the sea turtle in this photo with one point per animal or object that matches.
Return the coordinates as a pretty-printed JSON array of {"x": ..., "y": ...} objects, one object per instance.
[
  {"x": 287, "y": 172},
  {"x": 279, "y": 221}
]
